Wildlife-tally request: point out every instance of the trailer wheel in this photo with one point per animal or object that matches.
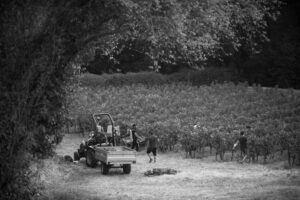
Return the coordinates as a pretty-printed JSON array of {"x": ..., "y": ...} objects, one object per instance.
[
  {"x": 127, "y": 168},
  {"x": 104, "y": 168},
  {"x": 90, "y": 158},
  {"x": 76, "y": 156}
]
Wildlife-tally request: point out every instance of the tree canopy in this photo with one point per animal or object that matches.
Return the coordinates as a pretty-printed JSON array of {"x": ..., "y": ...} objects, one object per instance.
[{"x": 175, "y": 31}]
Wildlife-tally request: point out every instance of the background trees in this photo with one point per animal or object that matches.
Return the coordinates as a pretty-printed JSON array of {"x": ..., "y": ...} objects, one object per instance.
[
  {"x": 188, "y": 33},
  {"x": 278, "y": 62}
]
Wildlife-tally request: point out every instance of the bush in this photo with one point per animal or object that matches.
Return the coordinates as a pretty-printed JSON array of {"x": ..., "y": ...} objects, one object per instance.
[
  {"x": 20, "y": 182},
  {"x": 197, "y": 78}
]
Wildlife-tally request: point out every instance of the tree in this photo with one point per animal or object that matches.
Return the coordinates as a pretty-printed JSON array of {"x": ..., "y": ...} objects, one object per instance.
[
  {"x": 39, "y": 43},
  {"x": 278, "y": 63},
  {"x": 190, "y": 32}
]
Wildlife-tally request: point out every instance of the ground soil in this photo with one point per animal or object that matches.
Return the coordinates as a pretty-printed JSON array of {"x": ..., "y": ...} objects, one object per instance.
[{"x": 197, "y": 179}]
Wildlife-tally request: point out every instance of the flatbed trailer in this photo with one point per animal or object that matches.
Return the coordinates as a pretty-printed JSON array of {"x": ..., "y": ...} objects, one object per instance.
[
  {"x": 111, "y": 157},
  {"x": 101, "y": 147}
]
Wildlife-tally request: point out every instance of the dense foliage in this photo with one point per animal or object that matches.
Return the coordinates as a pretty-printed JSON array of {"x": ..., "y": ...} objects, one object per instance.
[
  {"x": 262, "y": 51},
  {"x": 172, "y": 32},
  {"x": 203, "y": 115},
  {"x": 279, "y": 61},
  {"x": 39, "y": 42},
  {"x": 32, "y": 73}
]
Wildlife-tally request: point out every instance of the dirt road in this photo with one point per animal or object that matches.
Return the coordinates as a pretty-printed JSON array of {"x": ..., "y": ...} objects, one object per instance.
[{"x": 197, "y": 179}]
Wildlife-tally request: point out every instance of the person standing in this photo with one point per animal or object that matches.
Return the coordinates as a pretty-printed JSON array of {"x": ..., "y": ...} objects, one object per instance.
[
  {"x": 134, "y": 136},
  {"x": 152, "y": 144},
  {"x": 242, "y": 141}
]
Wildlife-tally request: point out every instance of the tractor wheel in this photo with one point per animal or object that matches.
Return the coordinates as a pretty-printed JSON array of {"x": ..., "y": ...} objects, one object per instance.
[
  {"x": 90, "y": 158},
  {"x": 127, "y": 168},
  {"x": 76, "y": 156},
  {"x": 104, "y": 168}
]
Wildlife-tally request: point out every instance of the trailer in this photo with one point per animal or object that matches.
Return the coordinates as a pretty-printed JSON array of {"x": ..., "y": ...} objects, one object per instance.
[
  {"x": 102, "y": 148},
  {"x": 111, "y": 157}
]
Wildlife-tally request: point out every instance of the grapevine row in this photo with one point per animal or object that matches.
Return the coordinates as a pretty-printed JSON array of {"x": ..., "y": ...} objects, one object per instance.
[{"x": 199, "y": 116}]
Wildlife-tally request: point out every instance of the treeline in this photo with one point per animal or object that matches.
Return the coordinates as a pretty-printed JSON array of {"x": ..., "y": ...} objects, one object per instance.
[{"x": 276, "y": 63}]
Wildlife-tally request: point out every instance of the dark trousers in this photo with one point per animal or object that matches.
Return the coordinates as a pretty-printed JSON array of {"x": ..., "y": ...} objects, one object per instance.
[{"x": 135, "y": 145}]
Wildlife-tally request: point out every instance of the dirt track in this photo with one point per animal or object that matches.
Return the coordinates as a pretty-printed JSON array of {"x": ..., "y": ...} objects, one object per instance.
[{"x": 197, "y": 179}]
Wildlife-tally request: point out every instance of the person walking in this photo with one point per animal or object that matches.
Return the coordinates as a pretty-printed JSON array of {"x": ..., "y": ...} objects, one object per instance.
[
  {"x": 152, "y": 143},
  {"x": 242, "y": 141}
]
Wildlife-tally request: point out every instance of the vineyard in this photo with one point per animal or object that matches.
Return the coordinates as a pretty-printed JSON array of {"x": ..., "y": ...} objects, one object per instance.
[{"x": 196, "y": 117}]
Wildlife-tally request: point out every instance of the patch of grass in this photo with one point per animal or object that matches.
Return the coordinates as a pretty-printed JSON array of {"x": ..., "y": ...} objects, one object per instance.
[{"x": 69, "y": 194}]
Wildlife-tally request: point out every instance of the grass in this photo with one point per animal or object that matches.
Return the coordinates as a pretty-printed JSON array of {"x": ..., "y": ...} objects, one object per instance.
[{"x": 197, "y": 179}]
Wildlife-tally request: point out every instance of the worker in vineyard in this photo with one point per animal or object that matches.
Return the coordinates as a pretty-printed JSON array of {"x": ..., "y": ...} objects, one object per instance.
[
  {"x": 152, "y": 143},
  {"x": 134, "y": 137},
  {"x": 242, "y": 141}
]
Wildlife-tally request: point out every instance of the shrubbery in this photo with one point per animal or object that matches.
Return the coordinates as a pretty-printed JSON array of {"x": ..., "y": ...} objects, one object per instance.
[{"x": 202, "y": 77}]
